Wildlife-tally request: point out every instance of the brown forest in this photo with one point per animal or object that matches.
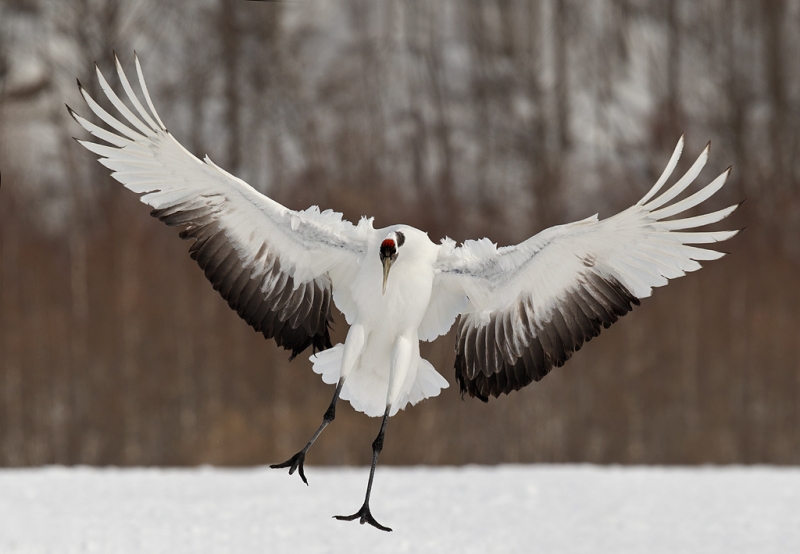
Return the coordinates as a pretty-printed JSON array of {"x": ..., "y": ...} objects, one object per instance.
[{"x": 463, "y": 118}]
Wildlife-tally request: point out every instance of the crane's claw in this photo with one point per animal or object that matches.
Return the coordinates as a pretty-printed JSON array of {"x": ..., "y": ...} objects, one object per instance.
[
  {"x": 365, "y": 517},
  {"x": 295, "y": 463}
]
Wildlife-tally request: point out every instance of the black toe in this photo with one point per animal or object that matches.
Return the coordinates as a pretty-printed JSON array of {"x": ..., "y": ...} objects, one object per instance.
[
  {"x": 294, "y": 463},
  {"x": 365, "y": 516}
]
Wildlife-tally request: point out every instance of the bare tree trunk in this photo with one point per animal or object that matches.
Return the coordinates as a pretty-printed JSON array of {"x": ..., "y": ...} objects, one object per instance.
[
  {"x": 673, "y": 108},
  {"x": 481, "y": 58},
  {"x": 437, "y": 80},
  {"x": 562, "y": 85},
  {"x": 229, "y": 37},
  {"x": 12, "y": 422},
  {"x": 127, "y": 275},
  {"x": 734, "y": 89}
]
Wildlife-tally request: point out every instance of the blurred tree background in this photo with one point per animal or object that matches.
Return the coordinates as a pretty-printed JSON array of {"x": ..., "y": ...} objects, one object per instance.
[{"x": 464, "y": 118}]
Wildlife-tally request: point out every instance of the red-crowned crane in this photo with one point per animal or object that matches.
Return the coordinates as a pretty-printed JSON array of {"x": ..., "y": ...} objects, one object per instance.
[{"x": 521, "y": 310}]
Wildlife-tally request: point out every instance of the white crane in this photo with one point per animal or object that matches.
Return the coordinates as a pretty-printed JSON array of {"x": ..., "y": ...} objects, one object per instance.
[{"x": 521, "y": 310}]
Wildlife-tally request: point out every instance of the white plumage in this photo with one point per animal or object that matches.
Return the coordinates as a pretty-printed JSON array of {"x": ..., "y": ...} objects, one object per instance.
[{"x": 523, "y": 309}]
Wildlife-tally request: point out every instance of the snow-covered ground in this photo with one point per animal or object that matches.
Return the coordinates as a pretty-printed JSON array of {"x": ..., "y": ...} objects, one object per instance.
[{"x": 472, "y": 509}]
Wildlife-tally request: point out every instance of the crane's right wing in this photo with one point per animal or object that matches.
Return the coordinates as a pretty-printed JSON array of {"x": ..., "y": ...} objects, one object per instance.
[
  {"x": 275, "y": 266},
  {"x": 530, "y": 306}
]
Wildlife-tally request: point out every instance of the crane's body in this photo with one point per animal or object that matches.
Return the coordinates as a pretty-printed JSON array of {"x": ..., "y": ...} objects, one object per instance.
[
  {"x": 380, "y": 358},
  {"x": 522, "y": 310}
]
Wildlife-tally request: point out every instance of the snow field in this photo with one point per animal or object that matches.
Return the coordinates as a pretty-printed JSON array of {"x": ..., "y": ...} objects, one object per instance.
[{"x": 536, "y": 508}]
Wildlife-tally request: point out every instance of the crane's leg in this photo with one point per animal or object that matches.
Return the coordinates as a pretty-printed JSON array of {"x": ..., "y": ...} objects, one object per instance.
[
  {"x": 353, "y": 347},
  {"x": 295, "y": 463},
  {"x": 364, "y": 513}
]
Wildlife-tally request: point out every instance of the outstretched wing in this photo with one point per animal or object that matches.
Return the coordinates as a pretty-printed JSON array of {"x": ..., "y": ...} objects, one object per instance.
[
  {"x": 276, "y": 267},
  {"x": 530, "y": 306}
]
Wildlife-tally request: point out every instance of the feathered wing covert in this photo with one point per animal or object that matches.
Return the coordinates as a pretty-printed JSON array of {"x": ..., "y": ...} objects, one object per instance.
[
  {"x": 276, "y": 267},
  {"x": 530, "y": 306}
]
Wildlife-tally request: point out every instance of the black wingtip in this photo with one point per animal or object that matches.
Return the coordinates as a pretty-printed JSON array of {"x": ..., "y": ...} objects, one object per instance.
[{"x": 73, "y": 114}]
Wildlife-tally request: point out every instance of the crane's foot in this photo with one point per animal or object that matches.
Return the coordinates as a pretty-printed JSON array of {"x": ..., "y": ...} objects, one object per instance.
[
  {"x": 295, "y": 463},
  {"x": 365, "y": 517}
]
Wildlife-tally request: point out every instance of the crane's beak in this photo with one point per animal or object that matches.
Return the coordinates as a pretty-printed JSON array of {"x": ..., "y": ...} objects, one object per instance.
[{"x": 387, "y": 265}]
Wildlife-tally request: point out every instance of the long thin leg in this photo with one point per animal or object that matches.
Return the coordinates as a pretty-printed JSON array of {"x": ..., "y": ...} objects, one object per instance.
[
  {"x": 364, "y": 513},
  {"x": 296, "y": 461}
]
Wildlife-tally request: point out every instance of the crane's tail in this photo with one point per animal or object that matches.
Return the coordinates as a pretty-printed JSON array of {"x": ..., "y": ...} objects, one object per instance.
[{"x": 365, "y": 388}]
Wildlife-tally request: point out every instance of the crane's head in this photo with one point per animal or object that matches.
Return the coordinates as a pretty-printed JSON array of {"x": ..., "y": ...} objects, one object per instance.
[{"x": 388, "y": 252}]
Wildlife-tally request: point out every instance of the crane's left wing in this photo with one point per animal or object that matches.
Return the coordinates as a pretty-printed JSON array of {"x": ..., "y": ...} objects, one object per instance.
[
  {"x": 278, "y": 268},
  {"x": 530, "y": 306}
]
